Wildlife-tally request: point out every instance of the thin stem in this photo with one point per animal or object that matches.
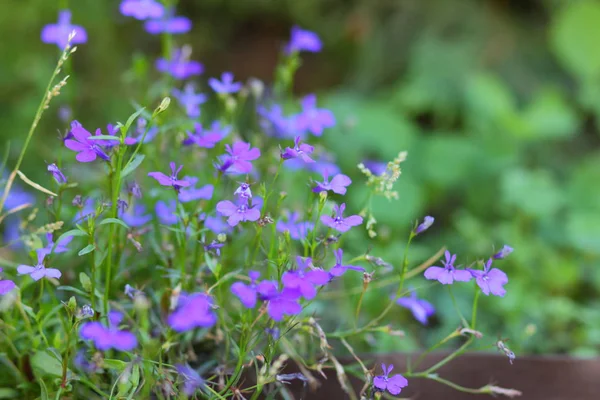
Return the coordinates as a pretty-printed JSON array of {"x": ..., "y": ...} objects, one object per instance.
[
  {"x": 474, "y": 312},
  {"x": 456, "y": 308},
  {"x": 450, "y": 356}
]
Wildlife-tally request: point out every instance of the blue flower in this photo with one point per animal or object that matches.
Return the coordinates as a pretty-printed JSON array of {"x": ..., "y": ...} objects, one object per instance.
[
  {"x": 225, "y": 85},
  {"x": 58, "y": 34},
  {"x": 421, "y": 309}
]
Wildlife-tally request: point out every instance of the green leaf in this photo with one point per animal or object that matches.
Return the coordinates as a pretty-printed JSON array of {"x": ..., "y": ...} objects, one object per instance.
[
  {"x": 87, "y": 249},
  {"x": 45, "y": 364},
  {"x": 72, "y": 232},
  {"x": 551, "y": 116},
  {"x": 72, "y": 289},
  {"x": 8, "y": 393},
  {"x": 43, "y": 391},
  {"x": 583, "y": 230},
  {"x": 117, "y": 365},
  {"x": 132, "y": 118},
  {"x": 534, "y": 192},
  {"x": 114, "y": 221},
  {"x": 86, "y": 282},
  {"x": 132, "y": 165},
  {"x": 35, "y": 185},
  {"x": 105, "y": 137}
]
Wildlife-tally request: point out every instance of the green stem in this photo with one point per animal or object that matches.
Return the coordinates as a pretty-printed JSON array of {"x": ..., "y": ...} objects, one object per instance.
[{"x": 474, "y": 312}]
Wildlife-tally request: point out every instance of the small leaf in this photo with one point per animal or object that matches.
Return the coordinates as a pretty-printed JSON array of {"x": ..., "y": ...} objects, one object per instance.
[
  {"x": 8, "y": 393},
  {"x": 87, "y": 249},
  {"x": 43, "y": 391},
  {"x": 44, "y": 363},
  {"x": 72, "y": 232},
  {"x": 114, "y": 221},
  {"x": 72, "y": 289},
  {"x": 86, "y": 282},
  {"x": 132, "y": 165},
  {"x": 35, "y": 185},
  {"x": 132, "y": 118},
  {"x": 115, "y": 364},
  {"x": 104, "y": 137}
]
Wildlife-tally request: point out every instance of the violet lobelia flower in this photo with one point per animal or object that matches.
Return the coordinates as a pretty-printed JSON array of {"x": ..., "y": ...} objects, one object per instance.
[
  {"x": 305, "y": 278},
  {"x": 87, "y": 149},
  {"x": 423, "y": 226},
  {"x": 300, "y": 150},
  {"x": 339, "y": 269},
  {"x": 503, "y": 253},
  {"x": 175, "y": 25},
  {"x": 338, "y": 222},
  {"x": 191, "y": 380},
  {"x": 237, "y": 213},
  {"x": 57, "y": 174},
  {"x": 180, "y": 66},
  {"x": 312, "y": 119},
  {"x": 239, "y": 157},
  {"x": 136, "y": 216},
  {"x": 447, "y": 274},
  {"x": 215, "y": 224},
  {"x": 421, "y": 309},
  {"x": 193, "y": 311},
  {"x": 490, "y": 280},
  {"x": 60, "y": 247},
  {"x": 171, "y": 180},
  {"x": 206, "y": 138},
  {"x": 39, "y": 271},
  {"x": 392, "y": 384},
  {"x": 142, "y": 9},
  {"x": 247, "y": 294},
  {"x": 225, "y": 85},
  {"x": 190, "y": 100},
  {"x": 298, "y": 229},
  {"x": 275, "y": 124},
  {"x": 243, "y": 191},
  {"x": 192, "y": 193},
  {"x": 337, "y": 184},
  {"x": 166, "y": 212},
  {"x": 106, "y": 338},
  {"x": 58, "y": 34},
  {"x": 280, "y": 303},
  {"x": 303, "y": 40},
  {"x": 6, "y": 285},
  {"x": 214, "y": 247}
]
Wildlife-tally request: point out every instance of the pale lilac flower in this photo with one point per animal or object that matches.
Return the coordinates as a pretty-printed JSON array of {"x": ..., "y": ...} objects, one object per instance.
[
  {"x": 6, "y": 285},
  {"x": 303, "y": 40},
  {"x": 106, "y": 338},
  {"x": 131, "y": 292},
  {"x": 505, "y": 251},
  {"x": 172, "y": 180},
  {"x": 206, "y": 138},
  {"x": 298, "y": 229},
  {"x": 57, "y": 174},
  {"x": 338, "y": 222},
  {"x": 392, "y": 384},
  {"x": 300, "y": 150},
  {"x": 58, "y": 34},
  {"x": 284, "y": 302},
  {"x": 377, "y": 168},
  {"x": 180, "y": 66},
  {"x": 65, "y": 113},
  {"x": 447, "y": 274},
  {"x": 136, "y": 216},
  {"x": 193, "y": 311},
  {"x": 135, "y": 189},
  {"x": 166, "y": 212},
  {"x": 216, "y": 224},
  {"x": 142, "y": 9},
  {"x": 140, "y": 131},
  {"x": 243, "y": 191},
  {"x": 339, "y": 269},
  {"x": 238, "y": 212},
  {"x": 490, "y": 280},
  {"x": 39, "y": 271},
  {"x": 190, "y": 100},
  {"x": 238, "y": 160},
  {"x": 305, "y": 278},
  {"x": 56, "y": 248},
  {"x": 174, "y": 25},
  {"x": 87, "y": 149},
  {"x": 337, "y": 184},
  {"x": 225, "y": 85},
  {"x": 192, "y": 193},
  {"x": 247, "y": 294},
  {"x": 275, "y": 124},
  {"x": 423, "y": 226},
  {"x": 191, "y": 379},
  {"x": 421, "y": 309},
  {"x": 313, "y": 119}
]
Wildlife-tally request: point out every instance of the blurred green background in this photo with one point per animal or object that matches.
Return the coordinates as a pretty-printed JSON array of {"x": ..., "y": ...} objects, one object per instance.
[{"x": 497, "y": 103}]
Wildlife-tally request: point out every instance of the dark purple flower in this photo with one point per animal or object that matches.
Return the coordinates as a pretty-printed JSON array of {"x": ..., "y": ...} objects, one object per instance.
[
  {"x": 166, "y": 212},
  {"x": 142, "y": 9},
  {"x": 168, "y": 24},
  {"x": 192, "y": 193},
  {"x": 59, "y": 247},
  {"x": 225, "y": 85},
  {"x": 238, "y": 160},
  {"x": 193, "y": 311},
  {"x": 339, "y": 269},
  {"x": 300, "y": 150},
  {"x": 421, "y": 309},
  {"x": 338, "y": 222},
  {"x": 57, "y": 174},
  {"x": 58, "y": 34},
  {"x": 238, "y": 212},
  {"x": 298, "y": 229},
  {"x": 190, "y": 100},
  {"x": 191, "y": 379},
  {"x": 243, "y": 191},
  {"x": 393, "y": 385},
  {"x": 179, "y": 66},
  {"x": 206, "y": 138},
  {"x": 313, "y": 119},
  {"x": 303, "y": 40},
  {"x": 215, "y": 247},
  {"x": 305, "y": 278},
  {"x": 6, "y": 285},
  {"x": 448, "y": 273},
  {"x": 490, "y": 280},
  {"x": 87, "y": 149},
  {"x": 284, "y": 302},
  {"x": 505, "y": 251},
  {"x": 337, "y": 184},
  {"x": 247, "y": 293},
  {"x": 423, "y": 226},
  {"x": 172, "y": 180},
  {"x": 106, "y": 338},
  {"x": 136, "y": 216},
  {"x": 39, "y": 271}
]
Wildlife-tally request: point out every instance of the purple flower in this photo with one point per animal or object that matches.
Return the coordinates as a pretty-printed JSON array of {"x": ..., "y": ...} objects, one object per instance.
[
  {"x": 142, "y": 9},
  {"x": 238, "y": 160},
  {"x": 172, "y": 180},
  {"x": 179, "y": 66},
  {"x": 166, "y": 213},
  {"x": 490, "y": 280},
  {"x": 215, "y": 247},
  {"x": 338, "y": 222},
  {"x": 305, "y": 279},
  {"x": 275, "y": 124},
  {"x": 61, "y": 246},
  {"x": 190, "y": 100},
  {"x": 393, "y": 385},
  {"x": 193, "y": 311},
  {"x": 421, "y": 309},
  {"x": 423, "y": 226},
  {"x": 337, "y": 184},
  {"x": 238, "y": 212},
  {"x": 505, "y": 251},
  {"x": 58, "y": 34},
  {"x": 81, "y": 362},
  {"x": 87, "y": 149},
  {"x": 57, "y": 174},
  {"x": 338, "y": 269},
  {"x": 135, "y": 189},
  {"x": 39, "y": 271},
  {"x": 377, "y": 168},
  {"x": 216, "y": 224},
  {"x": 284, "y": 302},
  {"x": 313, "y": 119},
  {"x": 206, "y": 138},
  {"x": 168, "y": 24},
  {"x": 298, "y": 229},
  {"x": 6, "y": 285},
  {"x": 243, "y": 191},
  {"x": 191, "y": 380},
  {"x": 106, "y": 338},
  {"x": 191, "y": 193},
  {"x": 64, "y": 113},
  {"x": 448, "y": 273},
  {"x": 247, "y": 293},
  {"x": 303, "y": 40},
  {"x": 136, "y": 216},
  {"x": 225, "y": 85},
  {"x": 139, "y": 133},
  {"x": 301, "y": 151}
]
